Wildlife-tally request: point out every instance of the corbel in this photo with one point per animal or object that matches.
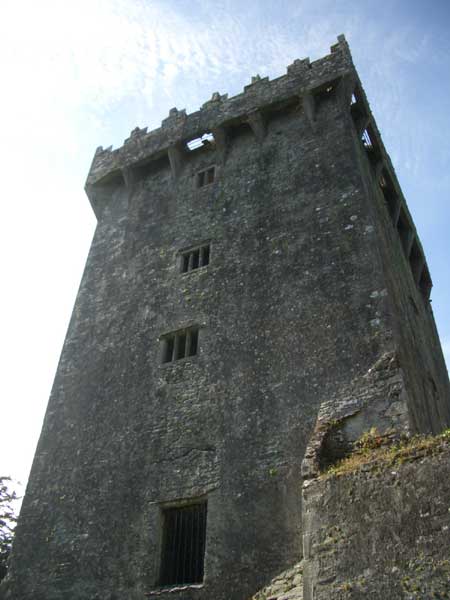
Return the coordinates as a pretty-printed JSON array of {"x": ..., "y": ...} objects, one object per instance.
[
  {"x": 176, "y": 159},
  {"x": 222, "y": 141},
  {"x": 258, "y": 124},
  {"x": 309, "y": 106}
]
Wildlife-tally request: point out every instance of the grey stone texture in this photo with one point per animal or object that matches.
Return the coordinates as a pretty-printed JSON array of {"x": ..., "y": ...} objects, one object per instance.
[
  {"x": 380, "y": 532},
  {"x": 288, "y": 585},
  {"x": 309, "y": 286}
]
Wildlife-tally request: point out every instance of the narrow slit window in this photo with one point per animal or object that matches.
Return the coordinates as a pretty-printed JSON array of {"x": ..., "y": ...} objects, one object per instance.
[
  {"x": 193, "y": 343},
  {"x": 201, "y": 179},
  {"x": 183, "y": 544},
  {"x": 204, "y": 255},
  {"x": 210, "y": 175},
  {"x": 168, "y": 349},
  {"x": 206, "y": 177},
  {"x": 195, "y": 258},
  {"x": 179, "y": 344}
]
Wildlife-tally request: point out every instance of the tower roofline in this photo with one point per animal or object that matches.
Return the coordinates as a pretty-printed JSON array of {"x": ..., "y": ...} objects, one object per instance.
[{"x": 302, "y": 78}]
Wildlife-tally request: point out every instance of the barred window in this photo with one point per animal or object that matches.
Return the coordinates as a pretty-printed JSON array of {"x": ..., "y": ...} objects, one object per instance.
[
  {"x": 206, "y": 176},
  {"x": 194, "y": 258},
  {"x": 179, "y": 344},
  {"x": 183, "y": 544}
]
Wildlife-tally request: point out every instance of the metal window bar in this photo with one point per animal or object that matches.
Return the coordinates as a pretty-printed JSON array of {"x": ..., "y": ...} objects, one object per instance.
[{"x": 183, "y": 550}]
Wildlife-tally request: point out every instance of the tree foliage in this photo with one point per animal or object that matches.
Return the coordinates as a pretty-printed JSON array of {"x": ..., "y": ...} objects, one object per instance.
[{"x": 8, "y": 521}]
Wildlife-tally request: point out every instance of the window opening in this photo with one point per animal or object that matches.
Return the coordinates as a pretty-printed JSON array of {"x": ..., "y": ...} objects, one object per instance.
[
  {"x": 180, "y": 344},
  {"x": 201, "y": 142},
  {"x": 367, "y": 142},
  {"x": 206, "y": 177},
  {"x": 183, "y": 544},
  {"x": 195, "y": 258},
  {"x": 168, "y": 349}
]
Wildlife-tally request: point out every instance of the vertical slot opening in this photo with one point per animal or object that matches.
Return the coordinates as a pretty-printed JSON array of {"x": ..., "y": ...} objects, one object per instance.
[
  {"x": 185, "y": 263},
  {"x": 195, "y": 258},
  {"x": 193, "y": 344},
  {"x": 168, "y": 349},
  {"x": 210, "y": 175},
  {"x": 180, "y": 345},
  {"x": 201, "y": 179}
]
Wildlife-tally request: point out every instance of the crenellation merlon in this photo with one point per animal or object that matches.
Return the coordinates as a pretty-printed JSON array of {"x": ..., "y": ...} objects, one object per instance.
[{"x": 302, "y": 77}]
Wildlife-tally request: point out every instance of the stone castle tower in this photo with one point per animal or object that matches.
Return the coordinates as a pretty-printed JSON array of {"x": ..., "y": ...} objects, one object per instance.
[{"x": 254, "y": 266}]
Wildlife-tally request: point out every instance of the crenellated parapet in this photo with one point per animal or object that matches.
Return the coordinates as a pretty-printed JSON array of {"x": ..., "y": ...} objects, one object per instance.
[{"x": 302, "y": 81}]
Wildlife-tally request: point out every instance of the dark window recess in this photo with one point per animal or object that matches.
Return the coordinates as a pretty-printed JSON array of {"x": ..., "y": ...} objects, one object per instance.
[
  {"x": 205, "y": 141},
  {"x": 183, "y": 544},
  {"x": 180, "y": 344},
  {"x": 324, "y": 93},
  {"x": 195, "y": 258},
  {"x": 206, "y": 177}
]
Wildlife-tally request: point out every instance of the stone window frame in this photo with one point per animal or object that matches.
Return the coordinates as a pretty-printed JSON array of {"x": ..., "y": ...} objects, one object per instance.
[
  {"x": 179, "y": 345},
  {"x": 194, "y": 257},
  {"x": 206, "y": 177},
  {"x": 181, "y": 506}
]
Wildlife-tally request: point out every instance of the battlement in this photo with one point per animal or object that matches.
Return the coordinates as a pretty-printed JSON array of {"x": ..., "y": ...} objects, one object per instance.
[{"x": 302, "y": 81}]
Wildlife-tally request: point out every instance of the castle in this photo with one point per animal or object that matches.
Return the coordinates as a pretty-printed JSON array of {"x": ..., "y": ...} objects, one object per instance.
[{"x": 255, "y": 275}]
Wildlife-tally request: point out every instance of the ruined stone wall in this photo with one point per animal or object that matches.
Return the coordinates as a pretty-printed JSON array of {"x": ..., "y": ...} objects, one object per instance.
[{"x": 379, "y": 532}]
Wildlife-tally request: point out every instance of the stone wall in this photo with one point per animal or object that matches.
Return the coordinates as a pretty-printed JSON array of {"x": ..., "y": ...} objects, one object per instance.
[
  {"x": 382, "y": 531},
  {"x": 288, "y": 585}
]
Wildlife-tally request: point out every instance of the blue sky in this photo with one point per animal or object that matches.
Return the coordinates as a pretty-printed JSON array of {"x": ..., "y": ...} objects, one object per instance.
[{"x": 76, "y": 75}]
